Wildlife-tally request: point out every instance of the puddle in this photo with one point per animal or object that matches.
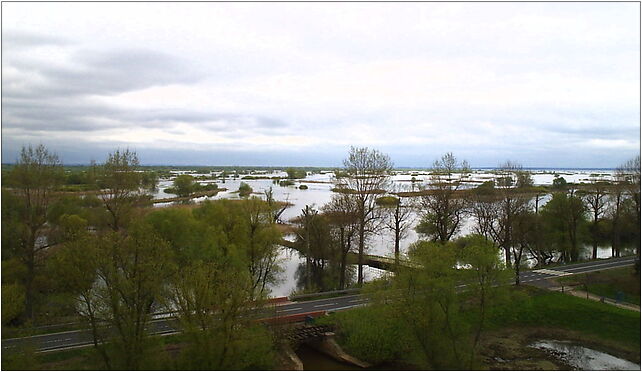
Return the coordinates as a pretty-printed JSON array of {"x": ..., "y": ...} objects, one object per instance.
[{"x": 584, "y": 358}]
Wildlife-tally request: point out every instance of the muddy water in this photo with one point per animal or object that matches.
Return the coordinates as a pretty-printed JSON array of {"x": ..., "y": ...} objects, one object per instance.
[
  {"x": 584, "y": 358},
  {"x": 314, "y": 360}
]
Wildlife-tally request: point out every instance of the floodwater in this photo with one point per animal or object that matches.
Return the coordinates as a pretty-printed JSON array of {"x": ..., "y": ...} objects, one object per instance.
[
  {"x": 314, "y": 360},
  {"x": 583, "y": 358},
  {"x": 319, "y": 194}
]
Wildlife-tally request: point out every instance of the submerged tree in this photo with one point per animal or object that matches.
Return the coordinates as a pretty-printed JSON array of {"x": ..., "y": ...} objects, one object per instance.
[
  {"x": 397, "y": 219},
  {"x": 564, "y": 217},
  {"x": 344, "y": 221},
  {"x": 595, "y": 198},
  {"x": 367, "y": 173},
  {"x": 442, "y": 205}
]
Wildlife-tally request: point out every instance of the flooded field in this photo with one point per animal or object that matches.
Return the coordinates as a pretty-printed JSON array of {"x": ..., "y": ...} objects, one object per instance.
[{"x": 319, "y": 192}]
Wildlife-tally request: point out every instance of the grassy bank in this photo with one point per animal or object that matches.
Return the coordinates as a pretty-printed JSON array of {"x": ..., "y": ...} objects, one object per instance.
[
  {"x": 535, "y": 307},
  {"x": 372, "y": 334}
]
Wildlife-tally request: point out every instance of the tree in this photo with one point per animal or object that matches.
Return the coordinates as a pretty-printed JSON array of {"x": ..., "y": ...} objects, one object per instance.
[
  {"x": 629, "y": 175},
  {"x": 595, "y": 199},
  {"x": 342, "y": 216},
  {"x": 483, "y": 202},
  {"x": 184, "y": 185},
  {"x": 244, "y": 189},
  {"x": 442, "y": 206},
  {"x": 294, "y": 173},
  {"x": 213, "y": 299},
  {"x": 397, "y": 219},
  {"x": 118, "y": 279},
  {"x": 322, "y": 252},
  {"x": 367, "y": 175},
  {"x": 246, "y": 229},
  {"x": 426, "y": 300},
  {"x": 123, "y": 185},
  {"x": 512, "y": 201},
  {"x": 564, "y": 217},
  {"x": 34, "y": 178},
  {"x": 486, "y": 272}
]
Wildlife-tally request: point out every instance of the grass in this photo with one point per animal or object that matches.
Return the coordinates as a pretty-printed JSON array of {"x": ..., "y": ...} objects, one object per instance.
[
  {"x": 537, "y": 307},
  {"x": 622, "y": 284},
  {"x": 370, "y": 334}
]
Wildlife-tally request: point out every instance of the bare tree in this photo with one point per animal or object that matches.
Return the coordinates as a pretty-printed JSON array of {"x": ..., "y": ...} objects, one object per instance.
[
  {"x": 398, "y": 218},
  {"x": 442, "y": 206},
  {"x": 483, "y": 207},
  {"x": 367, "y": 176},
  {"x": 511, "y": 203}
]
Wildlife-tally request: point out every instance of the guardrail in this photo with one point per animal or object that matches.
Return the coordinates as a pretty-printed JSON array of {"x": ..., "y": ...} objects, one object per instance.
[{"x": 328, "y": 293}]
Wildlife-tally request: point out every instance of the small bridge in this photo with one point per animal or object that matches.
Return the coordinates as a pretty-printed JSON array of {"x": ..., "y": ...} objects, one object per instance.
[
  {"x": 300, "y": 334},
  {"x": 379, "y": 262}
]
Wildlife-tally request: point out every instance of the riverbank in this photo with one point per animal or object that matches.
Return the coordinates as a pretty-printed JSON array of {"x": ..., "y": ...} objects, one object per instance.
[{"x": 529, "y": 315}]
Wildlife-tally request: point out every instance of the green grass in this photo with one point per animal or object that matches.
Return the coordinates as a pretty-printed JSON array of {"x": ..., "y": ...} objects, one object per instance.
[
  {"x": 539, "y": 308},
  {"x": 374, "y": 335},
  {"x": 609, "y": 283}
]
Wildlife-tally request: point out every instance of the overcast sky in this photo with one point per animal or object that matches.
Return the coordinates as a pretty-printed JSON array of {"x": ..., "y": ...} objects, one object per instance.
[{"x": 543, "y": 84}]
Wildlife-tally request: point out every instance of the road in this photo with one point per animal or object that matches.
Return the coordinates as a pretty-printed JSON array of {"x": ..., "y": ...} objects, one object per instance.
[{"x": 82, "y": 338}]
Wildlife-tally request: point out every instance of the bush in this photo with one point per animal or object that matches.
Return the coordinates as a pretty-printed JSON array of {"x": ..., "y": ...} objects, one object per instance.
[{"x": 244, "y": 189}]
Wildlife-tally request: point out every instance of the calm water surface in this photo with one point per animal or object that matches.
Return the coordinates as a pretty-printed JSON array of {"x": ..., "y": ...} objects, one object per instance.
[{"x": 319, "y": 194}]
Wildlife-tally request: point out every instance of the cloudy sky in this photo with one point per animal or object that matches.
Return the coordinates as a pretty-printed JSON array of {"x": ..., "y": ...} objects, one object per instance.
[{"x": 543, "y": 84}]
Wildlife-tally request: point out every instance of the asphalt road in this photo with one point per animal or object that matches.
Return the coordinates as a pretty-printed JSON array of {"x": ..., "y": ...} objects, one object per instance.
[{"x": 82, "y": 338}]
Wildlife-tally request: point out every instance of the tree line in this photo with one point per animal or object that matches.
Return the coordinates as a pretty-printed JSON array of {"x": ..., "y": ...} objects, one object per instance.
[
  {"x": 114, "y": 261},
  {"x": 523, "y": 220},
  {"x": 111, "y": 259}
]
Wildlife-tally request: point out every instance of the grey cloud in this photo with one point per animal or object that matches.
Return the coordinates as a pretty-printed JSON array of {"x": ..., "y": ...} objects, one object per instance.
[
  {"x": 66, "y": 114},
  {"x": 95, "y": 73},
  {"x": 113, "y": 72},
  {"x": 25, "y": 39}
]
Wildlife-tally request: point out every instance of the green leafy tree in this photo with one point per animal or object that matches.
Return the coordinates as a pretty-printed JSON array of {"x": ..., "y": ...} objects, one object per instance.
[
  {"x": 35, "y": 176},
  {"x": 295, "y": 173},
  {"x": 628, "y": 175},
  {"x": 184, "y": 185},
  {"x": 429, "y": 305},
  {"x": 214, "y": 299},
  {"x": 564, "y": 218},
  {"x": 119, "y": 279},
  {"x": 123, "y": 184},
  {"x": 244, "y": 190},
  {"x": 485, "y": 273}
]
